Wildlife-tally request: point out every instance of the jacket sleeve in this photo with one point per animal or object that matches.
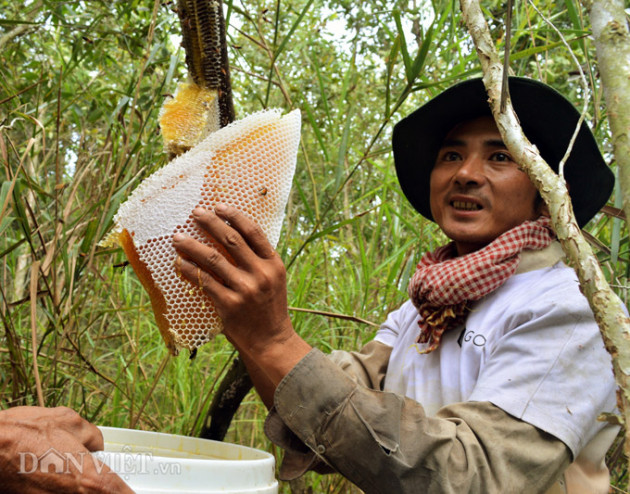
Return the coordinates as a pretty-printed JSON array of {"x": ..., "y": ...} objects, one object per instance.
[
  {"x": 385, "y": 443},
  {"x": 366, "y": 367}
]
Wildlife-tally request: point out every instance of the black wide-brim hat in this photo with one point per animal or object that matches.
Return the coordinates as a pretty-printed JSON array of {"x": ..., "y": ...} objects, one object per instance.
[{"x": 548, "y": 120}]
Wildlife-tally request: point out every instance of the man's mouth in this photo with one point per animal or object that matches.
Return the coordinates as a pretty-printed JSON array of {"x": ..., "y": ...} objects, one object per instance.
[{"x": 466, "y": 206}]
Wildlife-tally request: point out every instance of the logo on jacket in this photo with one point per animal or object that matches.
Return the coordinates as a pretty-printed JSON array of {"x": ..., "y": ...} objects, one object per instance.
[{"x": 471, "y": 337}]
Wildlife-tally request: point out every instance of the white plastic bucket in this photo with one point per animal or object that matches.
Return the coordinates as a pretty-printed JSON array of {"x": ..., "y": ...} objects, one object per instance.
[{"x": 156, "y": 463}]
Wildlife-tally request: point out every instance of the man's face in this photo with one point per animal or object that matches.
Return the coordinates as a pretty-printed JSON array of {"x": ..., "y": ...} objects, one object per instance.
[{"x": 477, "y": 191}]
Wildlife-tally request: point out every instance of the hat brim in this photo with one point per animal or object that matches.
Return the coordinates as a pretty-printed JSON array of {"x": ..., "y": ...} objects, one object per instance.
[{"x": 548, "y": 120}]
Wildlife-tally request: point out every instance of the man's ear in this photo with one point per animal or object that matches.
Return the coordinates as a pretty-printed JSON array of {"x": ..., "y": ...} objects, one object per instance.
[
  {"x": 543, "y": 209},
  {"x": 540, "y": 207}
]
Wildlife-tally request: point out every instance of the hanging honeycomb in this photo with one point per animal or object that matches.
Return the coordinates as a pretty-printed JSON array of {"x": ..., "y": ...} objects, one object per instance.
[
  {"x": 188, "y": 117},
  {"x": 248, "y": 164}
]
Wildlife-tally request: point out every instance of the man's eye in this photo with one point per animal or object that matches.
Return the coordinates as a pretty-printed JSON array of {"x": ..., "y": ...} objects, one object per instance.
[
  {"x": 501, "y": 156},
  {"x": 451, "y": 156}
]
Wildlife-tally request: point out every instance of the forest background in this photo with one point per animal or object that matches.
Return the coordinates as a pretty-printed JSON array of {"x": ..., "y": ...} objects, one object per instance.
[{"x": 81, "y": 85}]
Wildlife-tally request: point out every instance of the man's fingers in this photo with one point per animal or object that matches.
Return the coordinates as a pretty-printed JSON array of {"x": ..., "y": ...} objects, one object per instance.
[
  {"x": 225, "y": 235},
  {"x": 248, "y": 229},
  {"x": 236, "y": 239},
  {"x": 195, "y": 255},
  {"x": 87, "y": 433},
  {"x": 66, "y": 419},
  {"x": 199, "y": 278},
  {"x": 93, "y": 438}
]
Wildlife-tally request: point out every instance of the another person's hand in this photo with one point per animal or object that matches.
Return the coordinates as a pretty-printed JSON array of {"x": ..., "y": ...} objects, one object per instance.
[
  {"x": 251, "y": 296},
  {"x": 37, "y": 442}
]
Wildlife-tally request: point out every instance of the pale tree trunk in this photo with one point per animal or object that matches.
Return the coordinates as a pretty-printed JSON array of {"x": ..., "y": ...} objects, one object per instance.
[
  {"x": 22, "y": 29},
  {"x": 612, "y": 42},
  {"x": 613, "y": 324}
]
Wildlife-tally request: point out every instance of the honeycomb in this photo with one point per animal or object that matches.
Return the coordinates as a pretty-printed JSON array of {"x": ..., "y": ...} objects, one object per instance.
[
  {"x": 248, "y": 164},
  {"x": 188, "y": 116}
]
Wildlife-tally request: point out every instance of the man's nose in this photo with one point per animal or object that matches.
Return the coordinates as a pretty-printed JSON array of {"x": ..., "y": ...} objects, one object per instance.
[{"x": 470, "y": 172}]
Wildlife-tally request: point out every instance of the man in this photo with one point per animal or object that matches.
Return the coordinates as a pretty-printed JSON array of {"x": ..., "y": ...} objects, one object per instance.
[{"x": 491, "y": 377}]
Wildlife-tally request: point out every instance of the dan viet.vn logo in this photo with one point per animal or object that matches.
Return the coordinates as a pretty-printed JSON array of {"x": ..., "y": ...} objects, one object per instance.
[
  {"x": 125, "y": 464},
  {"x": 53, "y": 461}
]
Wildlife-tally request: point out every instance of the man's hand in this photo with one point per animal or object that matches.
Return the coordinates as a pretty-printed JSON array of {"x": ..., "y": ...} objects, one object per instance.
[
  {"x": 250, "y": 296},
  {"x": 29, "y": 436}
]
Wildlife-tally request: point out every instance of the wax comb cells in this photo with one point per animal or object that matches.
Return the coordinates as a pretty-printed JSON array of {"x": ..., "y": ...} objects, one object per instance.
[{"x": 248, "y": 164}]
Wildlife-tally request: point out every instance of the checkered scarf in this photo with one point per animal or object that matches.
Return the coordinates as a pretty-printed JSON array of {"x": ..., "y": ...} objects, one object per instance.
[{"x": 444, "y": 285}]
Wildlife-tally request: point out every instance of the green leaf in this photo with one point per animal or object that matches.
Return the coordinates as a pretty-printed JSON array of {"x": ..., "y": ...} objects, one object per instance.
[
  {"x": 171, "y": 69},
  {"x": 5, "y": 223},
  {"x": 421, "y": 57},
  {"x": 322, "y": 89},
  {"x": 114, "y": 204},
  {"x": 343, "y": 146},
  {"x": 19, "y": 208},
  {"x": 295, "y": 25},
  {"x": 573, "y": 14},
  {"x": 333, "y": 228},
  {"x": 535, "y": 50},
  {"x": 391, "y": 62},
  {"x": 121, "y": 103},
  {"x": 89, "y": 236},
  {"x": 403, "y": 45},
  {"x": 305, "y": 202},
  {"x": 17, "y": 22},
  {"x": 316, "y": 129},
  {"x": 4, "y": 194}
]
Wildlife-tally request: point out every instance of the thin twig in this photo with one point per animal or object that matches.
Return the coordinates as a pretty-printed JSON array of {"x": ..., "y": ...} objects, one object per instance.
[
  {"x": 532, "y": 38},
  {"x": 4, "y": 206},
  {"x": 335, "y": 316},
  {"x": 34, "y": 280},
  {"x": 255, "y": 76},
  {"x": 250, "y": 38},
  {"x": 27, "y": 88},
  {"x": 193, "y": 430},
  {"x": 585, "y": 86},
  {"x": 505, "y": 91},
  {"x": 165, "y": 360},
  {"x": 89, "y": 364}
]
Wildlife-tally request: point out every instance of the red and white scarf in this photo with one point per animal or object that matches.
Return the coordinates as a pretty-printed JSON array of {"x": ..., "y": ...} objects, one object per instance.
[{"x": 444, "y": 285}]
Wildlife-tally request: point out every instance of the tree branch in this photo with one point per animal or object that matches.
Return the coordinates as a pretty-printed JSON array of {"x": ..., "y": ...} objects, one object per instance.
[
  {"x": 613, "y": 324},
  {"x": 612, "y": 43},
  {"x": 22, "y": 29}
]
